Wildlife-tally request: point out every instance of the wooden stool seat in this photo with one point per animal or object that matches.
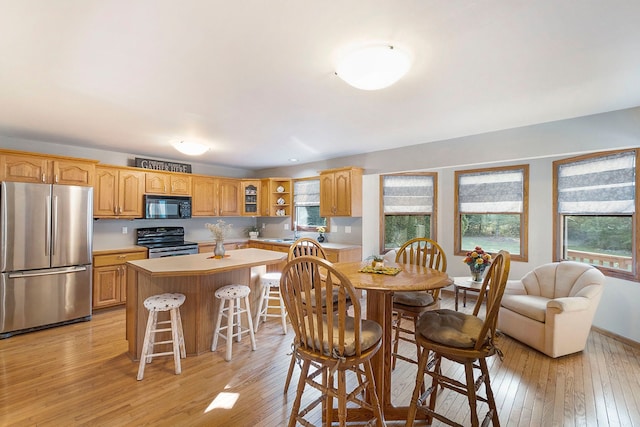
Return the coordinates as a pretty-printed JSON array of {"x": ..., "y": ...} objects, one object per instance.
[
  {"x": 234, "y": 296},
  {"x": 270, "y": 288},
  {"x": 156, "y": 304}
]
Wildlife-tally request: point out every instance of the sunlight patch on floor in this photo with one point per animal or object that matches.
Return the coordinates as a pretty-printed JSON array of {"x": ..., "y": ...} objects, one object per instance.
[{"x": 223, "y": 401}]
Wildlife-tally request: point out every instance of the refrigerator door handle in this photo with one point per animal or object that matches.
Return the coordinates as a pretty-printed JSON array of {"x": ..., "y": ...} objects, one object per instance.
[
  {"x": 54, "y": 225},
  {"x": 47, "y": 272},
  {"x": 47, "y": 237}
]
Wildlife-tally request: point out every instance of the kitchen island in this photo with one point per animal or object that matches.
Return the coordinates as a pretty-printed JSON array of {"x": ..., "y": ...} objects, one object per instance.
[{"x": 197, "y": 277}]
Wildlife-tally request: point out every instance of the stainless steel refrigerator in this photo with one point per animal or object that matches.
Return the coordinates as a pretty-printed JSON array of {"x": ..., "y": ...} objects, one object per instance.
[{"x": 46, "y": 233}]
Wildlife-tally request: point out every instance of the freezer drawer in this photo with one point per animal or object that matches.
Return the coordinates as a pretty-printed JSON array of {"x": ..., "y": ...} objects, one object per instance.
[{"x": 39, "y": 298}]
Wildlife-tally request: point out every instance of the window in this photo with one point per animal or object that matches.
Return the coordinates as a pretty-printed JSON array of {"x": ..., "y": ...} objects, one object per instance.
[
  {"x": 491, "y": 210},
  {"x": 595, "y": 201},
  {"x": 306, "y": 203},
  {"x": 408, "y": 204}
]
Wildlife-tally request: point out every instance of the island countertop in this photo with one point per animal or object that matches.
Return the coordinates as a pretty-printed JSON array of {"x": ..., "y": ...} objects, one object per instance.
[{"x": 204, "y": 263}]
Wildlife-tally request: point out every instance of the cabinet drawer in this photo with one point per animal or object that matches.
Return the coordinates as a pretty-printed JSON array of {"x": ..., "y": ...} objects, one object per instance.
[{"x": 115, "y": 259}]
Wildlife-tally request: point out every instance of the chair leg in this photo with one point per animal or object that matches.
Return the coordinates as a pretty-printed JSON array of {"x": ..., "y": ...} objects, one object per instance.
[
  {"x": 251, "y": 335},
  {"x": 375, "y": 401},
  {"x": 230, "y": 324},
  {"x": 151, "y": 324},
  {"x": 183, "y": 350},
  {"x": 396, "y": 341},
  {"x": 259, "y": 316},
  {"x": 292, "y": 365},
  {"x": 296, "y": 403},
  {"x": 175, "y": 336},
  {"x": 342, "y": 398},
  {"x": 471, "y": 394},
  {"x": 413, "y": 407},
  {"x": 283, "y": 313},
  {"x": 216, "y": 331},
  {"x": 490, "y": 399}
]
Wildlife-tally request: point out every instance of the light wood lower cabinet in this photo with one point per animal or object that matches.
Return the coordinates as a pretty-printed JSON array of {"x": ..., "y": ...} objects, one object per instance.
[
  {"x": 110, "y": 276},
  {"x": 349, "y": 254}
]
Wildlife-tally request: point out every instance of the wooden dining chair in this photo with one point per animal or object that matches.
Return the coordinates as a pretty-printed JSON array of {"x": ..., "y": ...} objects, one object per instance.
[
  {"x": 304, "y": 246},
  {"x": 410, "y": 305},
  {"x": 331, "y": 340},
  {"x": 467, "y": 339}
]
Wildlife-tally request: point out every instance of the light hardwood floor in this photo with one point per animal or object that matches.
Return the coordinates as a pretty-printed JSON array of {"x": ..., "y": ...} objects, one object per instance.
[{"x": 80, "y": 375}]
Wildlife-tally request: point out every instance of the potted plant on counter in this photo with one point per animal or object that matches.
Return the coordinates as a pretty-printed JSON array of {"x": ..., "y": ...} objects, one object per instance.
[{"x": 253, "y": 231}]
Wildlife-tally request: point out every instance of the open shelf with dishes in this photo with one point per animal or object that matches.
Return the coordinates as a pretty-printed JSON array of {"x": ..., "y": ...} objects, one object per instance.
[{"x": 279, "y": 197}]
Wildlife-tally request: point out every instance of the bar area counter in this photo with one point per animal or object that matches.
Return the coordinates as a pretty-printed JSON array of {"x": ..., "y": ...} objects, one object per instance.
[{"x": 197, "y": 277}]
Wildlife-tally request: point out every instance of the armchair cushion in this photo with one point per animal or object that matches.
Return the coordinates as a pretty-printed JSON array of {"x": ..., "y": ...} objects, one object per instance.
[{"x": 531, "y": 306}]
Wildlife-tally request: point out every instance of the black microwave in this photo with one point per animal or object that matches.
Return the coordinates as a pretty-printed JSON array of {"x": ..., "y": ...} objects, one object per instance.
[{"x": 167, "y": 207}]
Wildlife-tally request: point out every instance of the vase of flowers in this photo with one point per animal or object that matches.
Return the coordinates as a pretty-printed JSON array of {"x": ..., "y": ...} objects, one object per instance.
[
  {"x": 478, "y": 260},
  {"x": 219, "y": 231},
  {"x": 321, "y": 230}
]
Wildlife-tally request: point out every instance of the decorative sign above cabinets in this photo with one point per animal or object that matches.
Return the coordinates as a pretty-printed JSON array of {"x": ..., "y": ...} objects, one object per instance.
[{"x": 161, "y": 165}]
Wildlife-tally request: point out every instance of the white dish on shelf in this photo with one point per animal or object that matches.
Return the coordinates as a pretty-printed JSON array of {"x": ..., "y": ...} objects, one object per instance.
[
  {"x": 280, "y": 189},
  {"x": 280, "y": 201}
]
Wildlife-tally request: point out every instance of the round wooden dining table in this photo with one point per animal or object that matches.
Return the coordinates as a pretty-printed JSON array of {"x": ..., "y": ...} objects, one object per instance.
[{"x": 380, "y": 289}]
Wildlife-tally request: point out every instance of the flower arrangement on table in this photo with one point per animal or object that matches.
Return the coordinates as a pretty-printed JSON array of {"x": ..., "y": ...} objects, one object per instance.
[
  {"x": 477, "y": 260},
  {"x": 219, "y": 230}
]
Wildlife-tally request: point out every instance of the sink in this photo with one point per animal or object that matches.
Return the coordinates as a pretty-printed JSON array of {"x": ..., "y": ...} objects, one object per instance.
[{"x": 280, "y": 240}]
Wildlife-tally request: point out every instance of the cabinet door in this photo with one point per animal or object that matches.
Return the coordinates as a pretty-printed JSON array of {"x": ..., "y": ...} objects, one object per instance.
[
  {"x": 229, "y": 197},
  {"x": 70, "y": 172},
  {"x": 156, "y": 183},
  {"x": 107, "y": 286},
  {"x": 327, "y": 206},
  {"x": 180, "y": 185},
  {"x": 250, "y": 198},
  {"x": 203, "y": 196},
  {"x": 342, "y": 193},
  {"x": 24, "y": 168},
  {"x": 265, "y": 200},
  {"x": 130, "y": 193},
  {"x": 105, "y": 192}
]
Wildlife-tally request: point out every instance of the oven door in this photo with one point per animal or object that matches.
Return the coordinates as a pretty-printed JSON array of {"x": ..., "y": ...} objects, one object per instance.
[{"x": 173, "y": 251}]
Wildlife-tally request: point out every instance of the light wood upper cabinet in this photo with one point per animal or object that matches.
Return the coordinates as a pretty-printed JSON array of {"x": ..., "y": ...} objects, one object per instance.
[
  {"x": 215, "y": 196},
  {"x": 203, "y": 190},
  {"x": 341, "y": 192},
  {"x": 229, "y": 197},
  {"x": 46, "y": 169},
  {"x": 118, "y": 192},
  {"x": 250, "y": 197},
  {"x": 167, "y": 183},
  {"x": 277, "y": 197}
]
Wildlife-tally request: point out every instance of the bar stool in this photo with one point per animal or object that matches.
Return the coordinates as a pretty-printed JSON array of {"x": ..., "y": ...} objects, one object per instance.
[
  {"x": 156, "y": 304},
  {"x": 233, "y": 295},
  {"x": 270, "y": 288}
]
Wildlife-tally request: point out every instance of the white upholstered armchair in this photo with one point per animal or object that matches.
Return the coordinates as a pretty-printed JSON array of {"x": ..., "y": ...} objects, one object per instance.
[{"x": 552, "y": 307}]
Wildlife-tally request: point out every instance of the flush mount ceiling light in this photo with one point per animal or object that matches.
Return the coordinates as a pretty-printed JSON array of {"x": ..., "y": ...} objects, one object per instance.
[
  {"x": 373, "y": 67},
  {"x": 191, "y": 148}
]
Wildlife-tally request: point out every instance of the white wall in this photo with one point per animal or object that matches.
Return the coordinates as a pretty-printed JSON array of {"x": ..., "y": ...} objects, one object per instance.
[{"x": 536, "y": 145}]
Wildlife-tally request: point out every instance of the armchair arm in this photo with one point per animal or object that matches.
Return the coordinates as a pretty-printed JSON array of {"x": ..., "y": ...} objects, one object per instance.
[{"x": 569, "y": 304}]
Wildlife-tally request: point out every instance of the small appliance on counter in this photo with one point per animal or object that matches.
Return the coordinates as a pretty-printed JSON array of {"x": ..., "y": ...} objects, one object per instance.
[
  {"x": 46, "y": 233},
  {"x": 165, "y": 241}
]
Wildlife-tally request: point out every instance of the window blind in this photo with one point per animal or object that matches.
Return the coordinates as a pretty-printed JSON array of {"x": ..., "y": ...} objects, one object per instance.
[
  {"x": 306, "y": 193},
  {"x": 492, "y": 191},
  {"x": 407, "y": 194},
  {"x": 601, "y": 185}
]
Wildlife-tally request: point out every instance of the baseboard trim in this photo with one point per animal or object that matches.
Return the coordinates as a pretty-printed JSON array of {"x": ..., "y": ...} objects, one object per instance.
[{"x": 617, "y": 337}]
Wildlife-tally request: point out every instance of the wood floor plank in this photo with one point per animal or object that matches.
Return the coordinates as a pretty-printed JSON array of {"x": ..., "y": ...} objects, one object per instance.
[{"x": 80, "y": 375}]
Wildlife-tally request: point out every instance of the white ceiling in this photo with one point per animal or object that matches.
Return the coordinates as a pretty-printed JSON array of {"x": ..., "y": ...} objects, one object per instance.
[{"x": 254, "y": 78}]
